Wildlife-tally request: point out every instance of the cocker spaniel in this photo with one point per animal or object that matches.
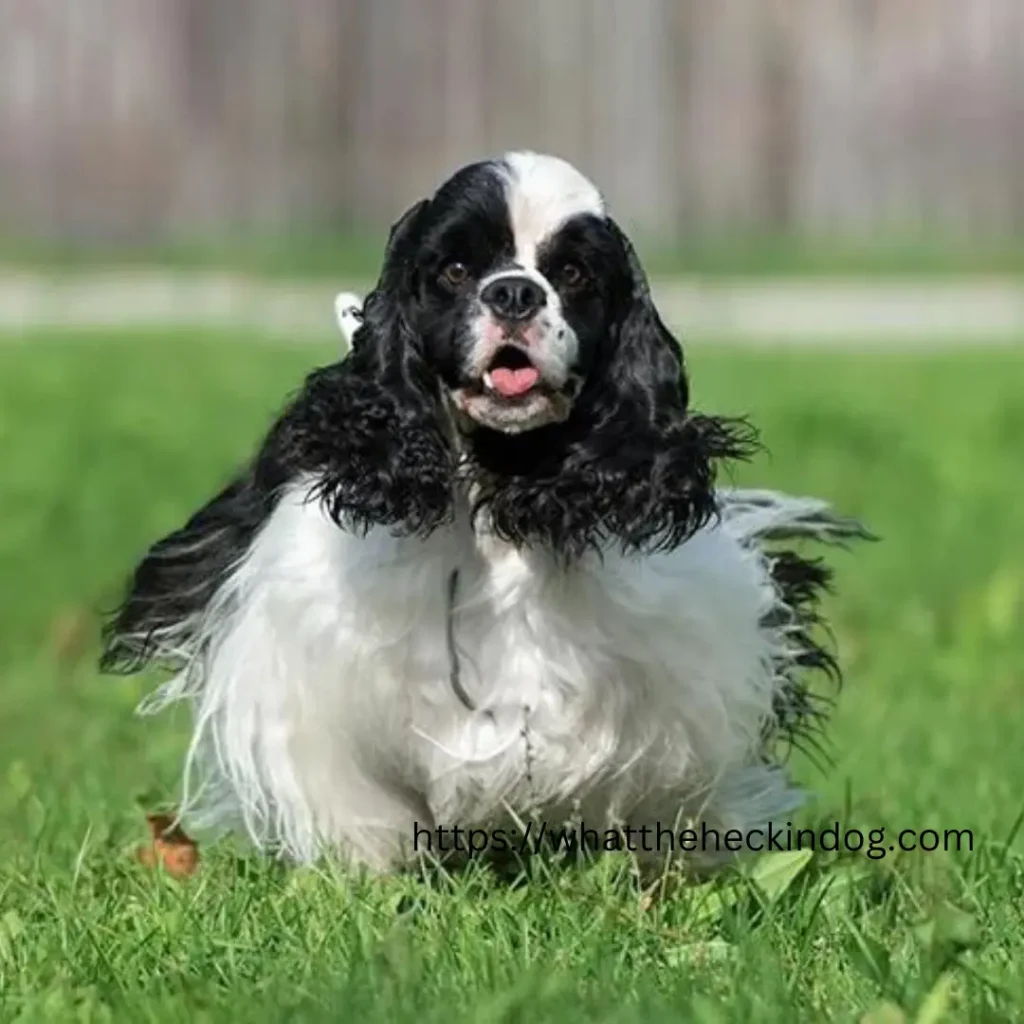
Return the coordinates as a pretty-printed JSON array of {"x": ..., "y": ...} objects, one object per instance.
[{"x": 478, "y": 574}]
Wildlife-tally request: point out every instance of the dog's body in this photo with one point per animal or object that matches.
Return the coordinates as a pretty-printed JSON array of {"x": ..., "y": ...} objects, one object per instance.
[{"x": 431, "y": 601}]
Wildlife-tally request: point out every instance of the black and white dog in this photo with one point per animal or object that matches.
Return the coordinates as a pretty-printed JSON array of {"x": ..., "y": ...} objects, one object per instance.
[{"x": 478, "y": 573}]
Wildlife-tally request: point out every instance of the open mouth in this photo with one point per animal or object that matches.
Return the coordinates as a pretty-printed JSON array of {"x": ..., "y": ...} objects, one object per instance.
[
  {"x": 513, "y": 395},
  {"x": 511, "y": 374}
]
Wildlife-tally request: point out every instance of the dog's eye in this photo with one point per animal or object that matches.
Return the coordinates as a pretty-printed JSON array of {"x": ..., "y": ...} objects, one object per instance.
[
  {"x": 572, "y": 274},
  {"x": 455, "y": 274}
]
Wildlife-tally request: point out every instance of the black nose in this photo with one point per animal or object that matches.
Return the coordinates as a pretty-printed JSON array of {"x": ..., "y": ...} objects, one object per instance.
[{"x": 513, "y": 297}]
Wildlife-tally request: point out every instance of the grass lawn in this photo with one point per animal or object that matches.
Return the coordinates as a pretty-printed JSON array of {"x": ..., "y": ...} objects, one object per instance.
[
  {"x": 338, "y": 252},
  {"x": 105, "y": 443}
]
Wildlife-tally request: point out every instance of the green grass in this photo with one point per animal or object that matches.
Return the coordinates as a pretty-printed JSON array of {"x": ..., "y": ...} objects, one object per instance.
[
  {"x": 104, "y": 443},
  {"x": 355, "y": 254}
]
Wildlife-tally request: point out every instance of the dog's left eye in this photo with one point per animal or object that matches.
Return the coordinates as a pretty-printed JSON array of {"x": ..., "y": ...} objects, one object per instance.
[
  {"x": 455, "y": 274},
  {"x": 572, "y": 274}
]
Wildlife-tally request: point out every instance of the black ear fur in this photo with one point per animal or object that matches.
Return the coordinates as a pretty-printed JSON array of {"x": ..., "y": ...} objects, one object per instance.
[
  {"x": 632, "y": 465},
  {"x": 366, "y": 432},
  {"x": 371, "y": 427}
]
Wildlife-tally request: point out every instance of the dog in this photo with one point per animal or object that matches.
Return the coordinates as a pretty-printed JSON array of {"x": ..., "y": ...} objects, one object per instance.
[{"x": 479, "y": 574}]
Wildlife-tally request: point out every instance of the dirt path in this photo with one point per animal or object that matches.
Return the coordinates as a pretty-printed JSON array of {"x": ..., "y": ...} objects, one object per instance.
[{"x": 766, "y": 311}]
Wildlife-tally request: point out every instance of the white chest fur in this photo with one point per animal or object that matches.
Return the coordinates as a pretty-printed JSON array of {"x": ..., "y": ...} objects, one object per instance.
[{"x": 624, "y": 688}]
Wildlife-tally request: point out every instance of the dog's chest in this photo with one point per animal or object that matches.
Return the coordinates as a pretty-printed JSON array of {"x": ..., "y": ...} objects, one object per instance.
[{"x": 507, "y": 669}]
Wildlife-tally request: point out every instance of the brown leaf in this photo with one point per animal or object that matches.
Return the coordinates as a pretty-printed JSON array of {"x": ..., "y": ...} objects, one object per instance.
[{"x": 169, "y": 847}]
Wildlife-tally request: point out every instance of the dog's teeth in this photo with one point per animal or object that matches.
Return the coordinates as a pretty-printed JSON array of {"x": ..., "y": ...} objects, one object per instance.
[{"x": 488, "y": 383}]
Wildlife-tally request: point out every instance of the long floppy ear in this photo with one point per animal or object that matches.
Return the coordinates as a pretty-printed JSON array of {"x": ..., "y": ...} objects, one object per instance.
[
  {"x": 366, "y": 435},
  {"x": 646, "y": 361},
  {"x": 371, "y": 428},
  {"x": 666, "y": 455},
  {"x": 632, "y": 467}
]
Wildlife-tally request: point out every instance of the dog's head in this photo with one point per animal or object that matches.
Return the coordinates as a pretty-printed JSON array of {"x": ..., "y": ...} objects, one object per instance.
[
  {"x": 512, "y": 275},
  {"x": 512, "y": 278},
  {"x": 513, "y": 315}
]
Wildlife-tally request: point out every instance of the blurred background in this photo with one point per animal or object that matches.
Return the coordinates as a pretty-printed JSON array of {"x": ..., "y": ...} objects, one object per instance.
[{"x": 729, "y": 135}]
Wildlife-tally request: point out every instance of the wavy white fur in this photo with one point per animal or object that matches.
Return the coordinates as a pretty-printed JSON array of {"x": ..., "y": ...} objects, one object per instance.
[{"x": 631, "y": 690}]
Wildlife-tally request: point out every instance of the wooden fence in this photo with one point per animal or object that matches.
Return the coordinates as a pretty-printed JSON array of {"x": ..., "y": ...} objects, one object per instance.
[{"x": 147, "y": 119}]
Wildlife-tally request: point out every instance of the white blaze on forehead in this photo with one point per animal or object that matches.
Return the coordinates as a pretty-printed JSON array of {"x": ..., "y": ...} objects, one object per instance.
[{"x": 543, "y": 192}]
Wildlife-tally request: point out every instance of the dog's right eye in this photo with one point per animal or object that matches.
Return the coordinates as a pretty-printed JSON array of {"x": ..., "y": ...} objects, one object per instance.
[{"x": 455, "y": 274}]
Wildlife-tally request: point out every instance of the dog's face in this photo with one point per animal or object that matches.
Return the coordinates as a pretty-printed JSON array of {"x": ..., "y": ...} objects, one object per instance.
[
  {"x": 510, "y": 276},
  {"x": 511, "y": 306}
]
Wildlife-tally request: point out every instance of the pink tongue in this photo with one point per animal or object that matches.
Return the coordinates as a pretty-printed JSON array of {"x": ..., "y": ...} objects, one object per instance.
[{"x": 514, "y": 382}]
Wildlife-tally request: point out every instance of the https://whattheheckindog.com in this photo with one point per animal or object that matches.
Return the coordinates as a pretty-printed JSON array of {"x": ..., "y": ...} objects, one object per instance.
[{"x": 537, "y": 837}]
